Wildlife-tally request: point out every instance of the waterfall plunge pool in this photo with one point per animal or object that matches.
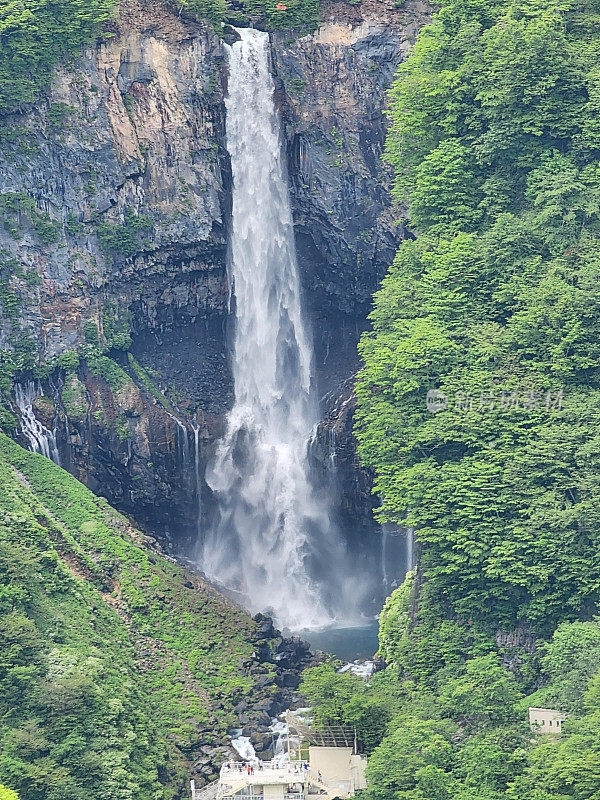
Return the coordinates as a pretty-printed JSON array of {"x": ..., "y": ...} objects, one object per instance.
[{"x": 348, "y": 644}]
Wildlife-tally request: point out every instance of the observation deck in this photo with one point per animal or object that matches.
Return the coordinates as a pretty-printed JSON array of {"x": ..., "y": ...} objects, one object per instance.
[{"x": 333, "y": 770}]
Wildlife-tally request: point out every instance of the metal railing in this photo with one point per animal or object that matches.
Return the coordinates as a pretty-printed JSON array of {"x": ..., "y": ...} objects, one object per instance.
[
  {"x": 328, "y": 736},
  {"x": 208, "y": 792},
  {"x": 244, "y": 797},
  {"x": 235, "y": 767}
]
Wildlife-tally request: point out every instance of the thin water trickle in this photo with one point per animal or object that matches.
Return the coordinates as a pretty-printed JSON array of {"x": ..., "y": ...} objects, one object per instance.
[
  {"x": 197, "y": 478},
  {"x": 384, "y": 557},
  {"x": 397, "y": 554},
  {"x": 183, "y": 446},
  {"x": 410, "y": 549},
  {"x": 273, "y": 541}
]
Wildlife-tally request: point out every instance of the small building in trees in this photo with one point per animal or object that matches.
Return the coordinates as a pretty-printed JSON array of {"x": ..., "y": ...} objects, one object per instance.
[{"x": 546, "y": 720}]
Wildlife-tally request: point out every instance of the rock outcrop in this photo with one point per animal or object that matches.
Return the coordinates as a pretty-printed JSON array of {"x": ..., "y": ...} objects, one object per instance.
[
  {"x": 334, "y": 87},
  {"x": 115, "y": 197},
  {"x": 128, "y": 177}
]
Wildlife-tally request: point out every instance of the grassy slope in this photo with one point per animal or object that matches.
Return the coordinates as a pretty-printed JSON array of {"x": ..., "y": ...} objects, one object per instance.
[{"x": 114, "y": 662}]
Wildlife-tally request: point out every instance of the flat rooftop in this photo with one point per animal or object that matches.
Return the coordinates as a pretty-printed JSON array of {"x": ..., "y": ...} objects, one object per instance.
[{"x": 266, "y": 773}]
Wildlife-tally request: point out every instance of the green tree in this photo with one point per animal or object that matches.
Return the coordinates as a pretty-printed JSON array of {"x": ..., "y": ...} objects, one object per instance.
[
  {"x": 484, "y": 694},
  {"x": 417, "y": 755},
  {"x": 494, "y": 140},
  {"x": 571, "y": 660},
  {"x": 329, "y": 692},
  {"x": 495, "y": 300},
  {"x": 35, "y": 35}
]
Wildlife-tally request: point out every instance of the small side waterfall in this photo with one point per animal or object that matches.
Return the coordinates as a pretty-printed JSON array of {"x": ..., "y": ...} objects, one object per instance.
[
  {"x": 384, "y": 557},
  {"x": 41, "y": 439},
  {"x": 332, "y": 445},
  {"x": 183, "y": 445},
  {"x": 410, "y": 549},
  {"x": 397, "y": 554},
  {"x": 273, "y": 541},
  {"x": 189, "y": 461},
  {"x": 197, "y": 478}
]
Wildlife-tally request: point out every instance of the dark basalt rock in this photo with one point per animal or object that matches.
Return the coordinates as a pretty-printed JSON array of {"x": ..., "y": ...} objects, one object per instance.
[
  {"x": 288, "y": 679},
  {"x": 229, "y": 35},
  {"x": 266, "y": 628},
  {"x": 257, "y": 709},
  {"x": 333, "y": 88}
]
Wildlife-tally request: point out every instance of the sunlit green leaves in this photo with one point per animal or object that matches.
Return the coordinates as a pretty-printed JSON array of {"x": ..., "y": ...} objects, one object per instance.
[{"x": 492, "y": 139}]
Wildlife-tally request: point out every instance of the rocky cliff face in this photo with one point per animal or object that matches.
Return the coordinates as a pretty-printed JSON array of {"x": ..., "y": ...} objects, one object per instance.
[
  {"x": 126, "y": 175},
  {"x": 114, "y": 201},
  {"x": 115, "y": 197},
  {"x": 333, "y": 88}
]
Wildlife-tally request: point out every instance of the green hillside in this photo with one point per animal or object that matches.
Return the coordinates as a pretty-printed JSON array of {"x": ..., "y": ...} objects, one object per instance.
[
  {"x": 115, "y": 664},
  {"x": 496, "y": 305}
]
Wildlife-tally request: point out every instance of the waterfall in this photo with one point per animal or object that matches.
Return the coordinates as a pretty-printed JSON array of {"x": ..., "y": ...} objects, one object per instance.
[
  {"x": 332, "y": 446},
  {"x": 243, "y": 746},
  {"x": 182, "y": 442},
  {"x": 183, "y": 452},
  {"x": 397, "y": 554},
  {"x": 273, "y": 541},
  {"x": 384, "y": 557},
  {"x": 410, "y": 549},
  {"x": 197, "y": 477},
  {"x": 41, "y": 440}
]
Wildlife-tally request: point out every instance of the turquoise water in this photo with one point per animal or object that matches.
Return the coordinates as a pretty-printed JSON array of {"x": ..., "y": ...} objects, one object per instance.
[{"x": 349, "y": 644}]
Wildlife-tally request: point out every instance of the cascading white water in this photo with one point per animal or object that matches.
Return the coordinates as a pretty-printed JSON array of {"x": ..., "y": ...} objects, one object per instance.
[
  {"x": 41, "y": 439},
  {"x": 197, "y": 478},
  {"x": 243, "y": 746},
  {"x": 183, "y": 445},
  {"x": 410, "y": 549},
  {"x": 273, "y": 532}
]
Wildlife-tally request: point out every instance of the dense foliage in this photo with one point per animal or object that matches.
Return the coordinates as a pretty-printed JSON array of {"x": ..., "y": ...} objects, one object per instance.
[
  {"x": 479, "y": 409},
  {"x": 301, "y": 16},
  {"x": 456, "y": 727},
  {"x": 113, "y": 665},
  {"x": 34, "y": 36},
  {"x": 495, "y": 143}
]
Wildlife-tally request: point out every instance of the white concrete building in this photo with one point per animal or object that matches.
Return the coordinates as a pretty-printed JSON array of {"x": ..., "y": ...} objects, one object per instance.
[
  {"x": 546, "y": 720},
  {"x": 326, "y": 776}
]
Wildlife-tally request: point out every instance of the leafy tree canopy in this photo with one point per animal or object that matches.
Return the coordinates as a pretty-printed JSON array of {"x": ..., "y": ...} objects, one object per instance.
[
  {"x": 479, "y": 406},
  {"x": 494, "y": 141},
  {"x": 36, "y": 34}
]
